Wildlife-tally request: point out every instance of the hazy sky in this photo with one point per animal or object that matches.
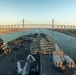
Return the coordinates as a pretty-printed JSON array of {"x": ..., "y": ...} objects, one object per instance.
[{"x": 13, "y": 11}]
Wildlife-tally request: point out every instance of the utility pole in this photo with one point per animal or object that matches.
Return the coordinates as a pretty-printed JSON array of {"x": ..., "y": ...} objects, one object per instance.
[{"x": 52, "y": 25}]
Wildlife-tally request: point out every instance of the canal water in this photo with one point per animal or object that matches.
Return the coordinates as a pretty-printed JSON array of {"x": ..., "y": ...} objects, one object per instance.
[{"x": 65, "y": 42}]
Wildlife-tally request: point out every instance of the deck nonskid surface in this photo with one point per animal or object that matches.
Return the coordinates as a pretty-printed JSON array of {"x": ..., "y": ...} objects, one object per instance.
[{"x": 7, "y": 67}]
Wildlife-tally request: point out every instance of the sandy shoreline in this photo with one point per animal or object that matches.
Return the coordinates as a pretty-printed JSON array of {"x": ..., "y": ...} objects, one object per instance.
[
  {"x": 6, "y": 31},
  {"x": 71, "y": 32}
]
